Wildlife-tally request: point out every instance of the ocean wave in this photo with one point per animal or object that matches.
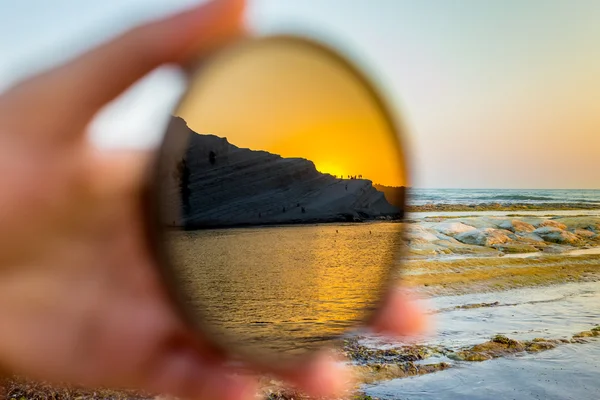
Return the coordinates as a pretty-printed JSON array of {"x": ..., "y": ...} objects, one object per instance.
[
  {"x": 491, "y": 202},
  {"x": 520, "y": 197},
  {"x": 487, "y": 196},
  {"x": 541, "y": 198}
]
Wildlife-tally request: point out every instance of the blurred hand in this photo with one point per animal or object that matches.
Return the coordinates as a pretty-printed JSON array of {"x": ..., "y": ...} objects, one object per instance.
[{"x": 80, "y": 300}]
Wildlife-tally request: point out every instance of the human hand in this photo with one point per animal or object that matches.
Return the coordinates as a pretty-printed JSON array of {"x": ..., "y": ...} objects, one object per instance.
[{"x": 80, "y": 299}]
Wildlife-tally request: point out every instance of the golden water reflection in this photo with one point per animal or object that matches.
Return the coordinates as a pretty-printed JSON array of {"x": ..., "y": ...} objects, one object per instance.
[{"x": 285, "y": 287}]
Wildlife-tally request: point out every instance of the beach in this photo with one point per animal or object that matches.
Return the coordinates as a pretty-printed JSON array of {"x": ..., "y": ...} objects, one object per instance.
[
  {"x": 513, "y": 318},
  {"x": 513, "y": 291}
]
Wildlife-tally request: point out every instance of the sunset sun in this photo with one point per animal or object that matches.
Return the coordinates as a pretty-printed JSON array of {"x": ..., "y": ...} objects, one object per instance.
[{"x": 330, "y": 168}]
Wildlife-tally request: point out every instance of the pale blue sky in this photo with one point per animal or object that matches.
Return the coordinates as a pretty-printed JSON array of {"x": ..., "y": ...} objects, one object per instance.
[{"x": 494, "y": 93}]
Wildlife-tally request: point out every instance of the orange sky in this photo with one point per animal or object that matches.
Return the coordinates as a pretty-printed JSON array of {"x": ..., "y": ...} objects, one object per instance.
[
  {"x": 296, "y": 103},
  {"x": 495, "y": 94}
]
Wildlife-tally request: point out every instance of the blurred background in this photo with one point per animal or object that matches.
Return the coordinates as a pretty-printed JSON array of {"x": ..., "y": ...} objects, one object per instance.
[{"x": 496, "y": 94}]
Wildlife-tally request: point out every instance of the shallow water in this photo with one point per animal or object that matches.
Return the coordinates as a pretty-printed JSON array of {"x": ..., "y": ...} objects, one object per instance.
[
  {"x": 288, "y": 287},
  {"x": 567, "y": 372},
  {"x": 551, "y": 312},
  {"x": 572, "y": 253}
]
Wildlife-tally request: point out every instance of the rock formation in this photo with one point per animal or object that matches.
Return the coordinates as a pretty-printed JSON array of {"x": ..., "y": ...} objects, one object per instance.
[
  {"x": 484, "y": 237},
  {"x": 497, "y": 235},
  {"x": 217, "y": 184}
]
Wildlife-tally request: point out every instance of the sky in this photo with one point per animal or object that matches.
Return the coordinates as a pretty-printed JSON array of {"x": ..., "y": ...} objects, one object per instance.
[
  {"x": 297, "y": 101},
  {"x": 493, "y": 94}
]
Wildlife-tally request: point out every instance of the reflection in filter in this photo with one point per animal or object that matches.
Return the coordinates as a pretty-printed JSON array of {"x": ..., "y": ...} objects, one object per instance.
[
  {"x": 284, "y": 196},
  {"x": 305, "y": 252},
  {"x": 217, "y": 184},
  {"x": 293, "y": 283}
]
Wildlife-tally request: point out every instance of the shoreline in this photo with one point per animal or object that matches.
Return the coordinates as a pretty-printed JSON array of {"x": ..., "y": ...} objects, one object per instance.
[
  {"x": 411, "y": 212},
  {"x": 431, "y": 207},
  {"x": 281, "y": 224}
]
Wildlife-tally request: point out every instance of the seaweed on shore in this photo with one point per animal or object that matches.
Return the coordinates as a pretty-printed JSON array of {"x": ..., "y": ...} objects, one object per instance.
[
  {"x": 294, "y": 395},
  {"x": 374, "y": 365},
  {"x": 501, "y": 346},
  {"x": 594, "y": 332},
  {"x": 369, "y": 374},
  {"x": 363, "y": 355}
]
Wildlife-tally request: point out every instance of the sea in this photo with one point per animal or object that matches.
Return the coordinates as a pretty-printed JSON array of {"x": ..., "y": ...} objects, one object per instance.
[
  {"x": 571, "y": 371},
  {"x": 419, "y": 197}
]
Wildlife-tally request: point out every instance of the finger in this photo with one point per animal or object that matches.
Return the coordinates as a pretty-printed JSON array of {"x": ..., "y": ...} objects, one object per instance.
[
  {"x": 155, "y": 352},
  {"x": 324, "y": 375},
  {"x": 182, "y": 373},
  {"x": 401, "y": 316},
  {"x": 116, "y": 173},
  {"x": 68, "y": 96}
]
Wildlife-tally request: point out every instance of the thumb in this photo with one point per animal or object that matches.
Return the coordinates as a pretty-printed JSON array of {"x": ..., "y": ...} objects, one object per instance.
[{"x": 116, "y": 174}]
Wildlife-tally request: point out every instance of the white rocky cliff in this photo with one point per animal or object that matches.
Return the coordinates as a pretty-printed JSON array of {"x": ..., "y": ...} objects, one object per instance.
[{"x": 224, "y": 185}]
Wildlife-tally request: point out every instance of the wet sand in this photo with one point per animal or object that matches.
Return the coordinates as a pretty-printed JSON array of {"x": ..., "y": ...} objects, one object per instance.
[
  {"x": 485, "y": 274},
  {"x": 568, "y": 372}
]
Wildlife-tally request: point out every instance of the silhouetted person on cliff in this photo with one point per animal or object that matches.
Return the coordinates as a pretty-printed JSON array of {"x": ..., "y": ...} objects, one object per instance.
[{"x": 212, "y": 158}]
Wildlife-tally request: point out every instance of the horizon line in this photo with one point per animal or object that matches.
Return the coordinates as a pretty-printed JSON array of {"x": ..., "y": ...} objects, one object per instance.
[{"x": 496, "y": 188}]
